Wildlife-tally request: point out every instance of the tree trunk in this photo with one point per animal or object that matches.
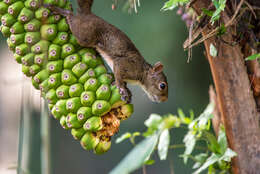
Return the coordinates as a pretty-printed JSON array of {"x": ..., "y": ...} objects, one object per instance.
[{"x": 237, "y": 106}]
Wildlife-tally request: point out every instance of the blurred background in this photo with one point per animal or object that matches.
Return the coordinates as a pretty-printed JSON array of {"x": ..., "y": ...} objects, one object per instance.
[{"x": 159, "y": 37}]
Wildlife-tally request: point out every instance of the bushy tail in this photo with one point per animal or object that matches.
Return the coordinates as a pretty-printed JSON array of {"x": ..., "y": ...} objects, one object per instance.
[{"x": 85, "y": 6}]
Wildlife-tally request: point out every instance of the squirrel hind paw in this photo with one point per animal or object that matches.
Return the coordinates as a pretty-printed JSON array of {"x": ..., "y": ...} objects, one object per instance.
[{"x": 125, "y": 95}]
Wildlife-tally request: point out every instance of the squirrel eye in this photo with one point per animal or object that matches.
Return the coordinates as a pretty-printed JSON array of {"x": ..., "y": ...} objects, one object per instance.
[{"x": 162, "y": 85}]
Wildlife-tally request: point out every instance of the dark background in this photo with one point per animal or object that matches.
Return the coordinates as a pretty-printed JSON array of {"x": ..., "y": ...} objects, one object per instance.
[{"x": 159, "y": 37}]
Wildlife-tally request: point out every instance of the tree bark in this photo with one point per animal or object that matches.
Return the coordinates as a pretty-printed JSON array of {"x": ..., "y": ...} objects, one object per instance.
[{"x": 235, "y": 98}]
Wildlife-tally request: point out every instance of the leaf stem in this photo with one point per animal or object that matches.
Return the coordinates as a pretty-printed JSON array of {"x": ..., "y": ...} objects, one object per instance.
[{"x": 176, "y": 146}]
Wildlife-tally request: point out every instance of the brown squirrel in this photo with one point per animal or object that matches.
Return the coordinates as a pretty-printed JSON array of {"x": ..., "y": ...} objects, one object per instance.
[{"x": 118, "y": 51}]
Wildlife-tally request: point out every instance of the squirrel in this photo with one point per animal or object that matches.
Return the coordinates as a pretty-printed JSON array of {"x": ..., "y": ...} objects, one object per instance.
[{"x": 118, "y": 51}]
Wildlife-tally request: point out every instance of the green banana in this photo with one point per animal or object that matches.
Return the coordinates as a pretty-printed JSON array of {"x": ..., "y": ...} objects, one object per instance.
[{"x": 71, "y": 78}]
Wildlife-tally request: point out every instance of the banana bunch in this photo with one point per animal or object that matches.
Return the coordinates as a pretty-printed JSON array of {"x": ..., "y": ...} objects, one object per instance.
[{"x": 71, "y": 78}]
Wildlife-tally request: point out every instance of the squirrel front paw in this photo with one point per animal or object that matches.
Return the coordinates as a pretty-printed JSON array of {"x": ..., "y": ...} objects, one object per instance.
[{"x": 125, "y": 94}]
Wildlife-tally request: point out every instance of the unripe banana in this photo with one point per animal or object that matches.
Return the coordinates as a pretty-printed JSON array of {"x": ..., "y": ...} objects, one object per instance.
[
  {"x": 79, "y": 69},
  {"x": 42, "y": 13},
  {"x": 22, "y": 49},
  {"x": 102, "y": 147},
  {"x": 54, "y": 52},
  {"x": 103, "y": 92},
  {"x": 89, "y": 141},
  {"x": 32, "y": 4},
  {"x": 73, "y": 104},
  {"x": 32, "y": 38},
  {"x": 15, "y": 8},
  {"x": 67, "y": 50},
  {"x": 88, "y": 74},
  {"x": 49, "y": 32},
  {"x": 76, "y": 90},
  {"x": 93, "y": 124},
  {"x": 61, "y": 38},
  {"x": 34, "y": 69},
  {"x": 63, "y": 92},
  {"x": 91, "y": 84},
  {"x": 28, "y": 59},
  {"x": 84, "y": 113},
  {"x": 68, "y": 77},
  {"x": 100, "y": 107},
  {"x": 71, "y": 78},
  {"x": 78, "y": 133},
  {"x": 55, "y": 66},
  {"x": 25, "y": 15},
  {"x": 72, "y": 121},
  {"x": 33, "y": 25},
  {"x": 71, "y": 60},
  {"x": 54, "y": 81},
  {"x": 40, "y": 47},
  {"x": 17, "y": 28},
  {"x": 87, "y": 98},
  {"x": 40, "y": 59},
  {"x": 51, "y": 96},
  {"x": 7, "y": 20}
]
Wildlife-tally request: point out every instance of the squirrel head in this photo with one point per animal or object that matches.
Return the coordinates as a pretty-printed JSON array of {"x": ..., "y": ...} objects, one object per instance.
[{"x": 155, "y": 84}]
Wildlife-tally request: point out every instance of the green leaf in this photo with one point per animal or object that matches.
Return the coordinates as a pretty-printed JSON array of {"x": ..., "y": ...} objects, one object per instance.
[
  {"x": 137, "y": 156},
  {"x": 163, "y": 145},
  {"x": 190, "y": 141},
  {"x": 153, "y": 121},
  {"x": 222, "y": 139},
  {"x": 171, "y": 4},
  {"x": 171, "y": 121},
  {"x": 211, "y": 160},
  {"x": 222, "y": 30},
  {"x": 204, "y": 118},
  {"x": 183, "y": 118},
  {"x": 253, "y": 57},
  {"x": 135, "y": 134},
  {"x": 216, "y": 4},
  {"x": 150, "y": 131},
  {"x": 191, "y": 115},
  {"x": 149, "y": 162},
  {"x": 207, "y": 12},
  {"x": 220, "y": 6},
  {"x": 123, "y": 137},
  {"x": 213, "y": 51},
  {"x": 228, "y": 155},
  {"x": 213, "y": 144},
  {"x": 200, "y": 159}
]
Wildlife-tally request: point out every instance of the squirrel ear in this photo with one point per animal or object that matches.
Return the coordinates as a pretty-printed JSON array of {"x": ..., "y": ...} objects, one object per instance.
[{"x": 158, "y": 67}]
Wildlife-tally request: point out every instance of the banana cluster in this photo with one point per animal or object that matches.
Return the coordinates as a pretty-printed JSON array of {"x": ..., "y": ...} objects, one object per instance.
[{"x": 71, "y": 78}]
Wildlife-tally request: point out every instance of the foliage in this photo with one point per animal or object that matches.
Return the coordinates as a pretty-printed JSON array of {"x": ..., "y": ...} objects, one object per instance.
[
  {"x": 216, "y": 156},
  {"x": 171, "y": 4},
  {"x": 212, "y": 50},
  {"x": 220, "y": 6},
  {"x": 215, "y": 15},
  {"x": 253, "y": 57}
]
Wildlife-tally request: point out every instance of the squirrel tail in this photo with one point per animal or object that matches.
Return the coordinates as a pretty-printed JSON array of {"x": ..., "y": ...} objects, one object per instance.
[{"x": 85, "y": 6}]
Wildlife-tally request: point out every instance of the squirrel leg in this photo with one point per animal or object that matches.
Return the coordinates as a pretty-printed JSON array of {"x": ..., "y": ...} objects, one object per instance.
[
  {"x": 121, "y": 85},
  {"x": 58, "y": 10}
]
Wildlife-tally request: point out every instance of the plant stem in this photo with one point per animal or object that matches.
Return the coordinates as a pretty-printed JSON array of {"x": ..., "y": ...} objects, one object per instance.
[
  {"x": 176, "y": 146},
  {"x": 45, "y": 139},
  {"x": 21, "y": 133}
]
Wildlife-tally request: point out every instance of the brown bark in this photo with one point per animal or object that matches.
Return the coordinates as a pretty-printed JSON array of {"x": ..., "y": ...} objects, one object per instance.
[{"x": 234, "y": 96}]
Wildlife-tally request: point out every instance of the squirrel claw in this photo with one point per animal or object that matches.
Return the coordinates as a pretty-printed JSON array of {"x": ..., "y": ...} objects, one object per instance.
[{"x": 125, "y": 94}]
